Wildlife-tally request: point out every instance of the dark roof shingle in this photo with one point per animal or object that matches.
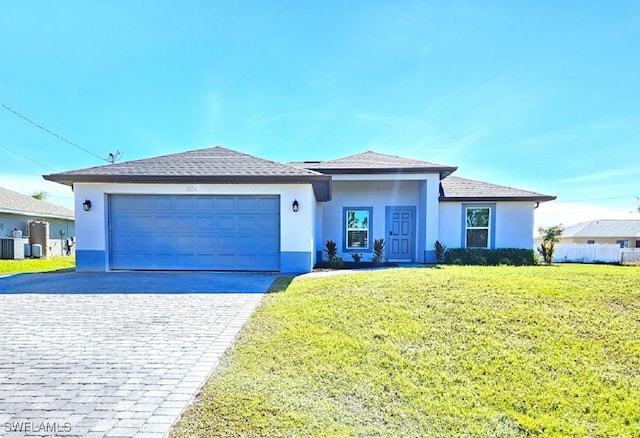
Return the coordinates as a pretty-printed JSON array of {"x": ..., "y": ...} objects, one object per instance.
[
  {"x": 375, "y": 162},
  {"x": 454, "y": 188},
  {"x": 210, "y": 165}
]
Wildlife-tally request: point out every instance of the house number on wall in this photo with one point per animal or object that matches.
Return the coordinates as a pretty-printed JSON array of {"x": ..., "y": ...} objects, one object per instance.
[{"x": 191, "y": 189}]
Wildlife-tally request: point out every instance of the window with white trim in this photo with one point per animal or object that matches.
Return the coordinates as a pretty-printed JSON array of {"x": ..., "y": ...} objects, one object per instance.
[
  {"x": 477, "y": 227},
  {"x": 357, "y": 224}
]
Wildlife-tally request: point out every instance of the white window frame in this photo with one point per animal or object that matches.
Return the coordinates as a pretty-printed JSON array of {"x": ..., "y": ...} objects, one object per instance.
[
  {"x": 488, "y": 227},
  {"x": 367, "y": 229}
]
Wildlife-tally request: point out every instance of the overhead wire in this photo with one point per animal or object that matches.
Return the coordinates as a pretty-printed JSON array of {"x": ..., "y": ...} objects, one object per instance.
[
  {"x": 28, "y": 158},
  {"x": 595, "y": 199},
  {"x": 112, "y": 158}
]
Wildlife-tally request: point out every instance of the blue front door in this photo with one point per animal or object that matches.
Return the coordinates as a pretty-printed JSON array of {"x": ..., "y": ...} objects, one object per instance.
[{"x": 401, "y": 226}]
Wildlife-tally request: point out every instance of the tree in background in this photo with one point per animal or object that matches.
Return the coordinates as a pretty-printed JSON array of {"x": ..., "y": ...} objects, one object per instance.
[
  {"x": 550, "y": 236},
  {"x": 40, "y": 196}
]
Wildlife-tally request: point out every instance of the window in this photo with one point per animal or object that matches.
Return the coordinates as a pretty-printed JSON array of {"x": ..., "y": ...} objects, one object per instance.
[
  {"x": 637, "y": 243},
  {"x": 623, "y": 243},
  {"x": 591, "y": 242},
  {"x": 477, "y": 227},
  {"x": 357, "y": 222}
]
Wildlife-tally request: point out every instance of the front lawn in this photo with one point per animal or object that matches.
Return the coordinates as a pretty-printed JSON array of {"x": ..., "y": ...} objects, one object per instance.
[
  {"x": 37, "y": 265},
  {"x": 451, "y": 351}
]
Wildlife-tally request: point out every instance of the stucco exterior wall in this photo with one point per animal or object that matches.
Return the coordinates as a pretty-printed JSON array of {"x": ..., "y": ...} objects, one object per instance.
[
  {"x": 513, "y": 226},
  {"x": 297, "y": 239},
  {"x": 378, "y": 192}
]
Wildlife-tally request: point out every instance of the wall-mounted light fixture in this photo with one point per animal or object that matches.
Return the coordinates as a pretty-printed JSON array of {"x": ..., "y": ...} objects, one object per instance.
[
  {"x": 295, "y": 205},
  {"x": 86, "y": 205}
]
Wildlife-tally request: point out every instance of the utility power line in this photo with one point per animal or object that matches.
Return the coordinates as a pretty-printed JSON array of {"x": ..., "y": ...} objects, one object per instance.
[
  {"x": 595, "y": 199},
  {"x": 112, "y": 158},
  {"x": 27, "y": 158}
]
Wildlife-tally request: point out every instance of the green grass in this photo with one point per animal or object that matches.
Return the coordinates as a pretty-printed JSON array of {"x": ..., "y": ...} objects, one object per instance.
[
  {"x": 453, "y": 351},
  {"x": 37, "y": 265}
]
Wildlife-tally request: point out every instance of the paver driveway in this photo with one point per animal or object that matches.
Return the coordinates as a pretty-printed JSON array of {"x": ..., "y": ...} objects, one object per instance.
[{"x": 109, "y": 364}]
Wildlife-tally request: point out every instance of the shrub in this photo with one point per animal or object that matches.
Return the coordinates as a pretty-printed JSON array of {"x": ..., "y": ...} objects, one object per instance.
[
  {"x": 336, "y": 262},
  {"x": 356, "y": 256},
  {"x": 491, "y": 257},
  {"x": 439, "y": 249},
  {"x": 378, "y": 251},
  {"x": 330, "y": 249}
]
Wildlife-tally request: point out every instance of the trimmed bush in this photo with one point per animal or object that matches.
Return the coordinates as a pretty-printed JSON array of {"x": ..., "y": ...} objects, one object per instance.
[{"x": 490, "y": 257}]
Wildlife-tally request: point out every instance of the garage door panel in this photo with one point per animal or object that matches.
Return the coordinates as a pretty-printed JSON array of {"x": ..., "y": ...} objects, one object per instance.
[
  {"x": 206, "y": 222},
  {"x": 203, "y": 203},
  {"x": 163, "y": 223},
  {"x": 246, "y": 245},
  {"x": 269, "y": 204},
  {"x": 164, "y": 203},
  {"x": 201, "y": 232},
  {"x": 183, "y": 203},
  {"x": 247, "y": 223},
  {"x": 270, "y": 222},
  {"x": 225, "y": 204},
  {"x": 205, "y": 242},
  {"x": 264, "y": 244},
  {"x": 225, "y": 222},
  {"x": 247, "y": 204}
]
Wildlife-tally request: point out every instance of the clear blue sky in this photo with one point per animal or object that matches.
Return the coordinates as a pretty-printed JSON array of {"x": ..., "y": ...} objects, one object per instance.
[{"x": 538, "y": 95}]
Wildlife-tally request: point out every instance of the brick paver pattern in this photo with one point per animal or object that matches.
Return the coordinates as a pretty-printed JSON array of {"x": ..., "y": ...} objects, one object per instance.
[{"x": 110, "y": 365}]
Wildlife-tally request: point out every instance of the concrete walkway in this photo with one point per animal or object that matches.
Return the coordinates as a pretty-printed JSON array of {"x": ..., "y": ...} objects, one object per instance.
[{"x": 109, "y": 365}]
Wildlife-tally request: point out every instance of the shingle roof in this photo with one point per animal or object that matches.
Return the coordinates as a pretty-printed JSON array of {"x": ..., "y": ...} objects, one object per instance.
[
  {"x": 454, "y": 188},
  {"x": 17, "y": 203},
  {"x": 604, "y": 228},
  {"x": 210, "y": 165},
  {"x": 374, "y": 162}
]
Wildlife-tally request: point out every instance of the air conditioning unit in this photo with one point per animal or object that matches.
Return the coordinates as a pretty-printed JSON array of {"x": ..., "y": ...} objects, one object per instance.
[
  {"x": 11, "y": 249},
  {"x": 36, "y": 250}
]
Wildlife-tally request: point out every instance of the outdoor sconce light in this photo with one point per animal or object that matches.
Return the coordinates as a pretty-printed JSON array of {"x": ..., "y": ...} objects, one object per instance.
[
  {"x": 86, "y": 205},
  {"x": 295, "y": 205}
]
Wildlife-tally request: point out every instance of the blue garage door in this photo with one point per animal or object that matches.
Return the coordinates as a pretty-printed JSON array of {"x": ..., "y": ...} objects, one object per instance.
[{"x": 200, "y": 232}]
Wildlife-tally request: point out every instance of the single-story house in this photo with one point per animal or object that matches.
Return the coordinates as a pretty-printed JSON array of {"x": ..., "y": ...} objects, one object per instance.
[
  {"x": 220, "y": 209},
  {"x": 17, "y": 211},
  {"x": 623, "y": 232}
]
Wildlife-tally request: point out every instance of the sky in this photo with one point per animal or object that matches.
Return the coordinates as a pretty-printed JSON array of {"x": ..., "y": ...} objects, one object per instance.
[{"x": 543, "y": 95}]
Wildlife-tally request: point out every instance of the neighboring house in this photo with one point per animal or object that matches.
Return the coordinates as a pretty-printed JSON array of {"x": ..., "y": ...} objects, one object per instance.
[
  {"x": 219, "y": 209},
  {"x": 625, "y": 233},
  {"x": 17, "y": 210}
]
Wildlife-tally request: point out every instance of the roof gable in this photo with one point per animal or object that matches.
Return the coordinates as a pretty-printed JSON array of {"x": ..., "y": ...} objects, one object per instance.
[
  {"x": 454, "y": 188},
  {"x": 17, "y": 203},
  {"x": 216, "y": 160},
  {"x": 375, "y": 162},
  {"x": 210, "y": 165}
]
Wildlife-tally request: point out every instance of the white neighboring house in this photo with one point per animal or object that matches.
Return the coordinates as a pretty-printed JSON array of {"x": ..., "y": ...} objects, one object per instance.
[
  {"x": 220, "y": 209},
  {"x": 624, "y": 232},
  {"x": 17, "y": 210}
]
